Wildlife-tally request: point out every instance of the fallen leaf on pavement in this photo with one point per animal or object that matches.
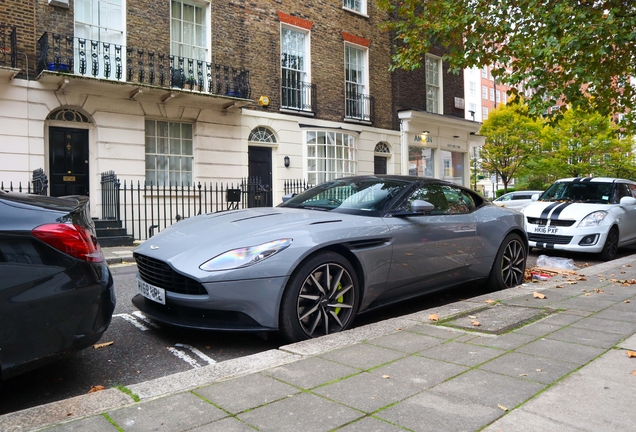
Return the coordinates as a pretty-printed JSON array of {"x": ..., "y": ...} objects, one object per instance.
[
  {"x": 96, "y": 388},
  {"x": 631, "y": 354},
  {"x": 103, "y": 344},
  {"x": 627, "y": 301},
  {"x": 398, "y": 328},
  {"x": 472, "y": 316},
  {"x": 599, "y": 291},
  {"x": 538, "y": 370},
  {"x": 587, "y": 294},
  {"x": 582, "y": 278},
  {"x": 538, "y": 295},
  {"x": 633, "y": 372},
  {"x": 502, "y": 407},
  {"x": 490, "y": 301},
  {"x": 475, "y": 323},
  {"x": 386, "y": 376},
  {"x": 433, "y": 317},
  {"x": 560, "y": 286},
  {"x": 523, "y": 374}
]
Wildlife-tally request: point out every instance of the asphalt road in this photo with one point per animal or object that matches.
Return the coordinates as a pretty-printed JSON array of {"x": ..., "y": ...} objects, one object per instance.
[{"x": 141, "y": 350}]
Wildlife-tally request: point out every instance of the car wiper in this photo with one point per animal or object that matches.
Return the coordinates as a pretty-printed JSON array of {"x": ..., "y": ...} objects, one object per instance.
[{"x": 309, "y": 207}]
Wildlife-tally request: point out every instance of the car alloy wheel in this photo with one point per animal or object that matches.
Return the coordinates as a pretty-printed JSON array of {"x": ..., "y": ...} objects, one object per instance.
[
  {"x": 610, "y": 249},
  {"x": 324, "y": 293},
  {"x": 510, "y": 264}
]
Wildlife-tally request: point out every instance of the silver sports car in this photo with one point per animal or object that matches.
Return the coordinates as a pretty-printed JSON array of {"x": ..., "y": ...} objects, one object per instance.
[{"x": 307, "y": 267}]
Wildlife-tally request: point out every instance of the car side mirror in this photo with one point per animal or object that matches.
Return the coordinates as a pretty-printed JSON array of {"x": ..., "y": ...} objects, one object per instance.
[
  {"x": 628, "y": 201},
  {"x": 421, "y": 206},
  {"x": 534, "y": 197}
]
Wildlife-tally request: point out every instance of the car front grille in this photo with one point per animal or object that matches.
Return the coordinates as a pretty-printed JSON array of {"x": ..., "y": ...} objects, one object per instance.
[
  {"x": 160, "y": 274},
  {"x": 553, "y": 222},
  {"x": 551, "y": 239}
]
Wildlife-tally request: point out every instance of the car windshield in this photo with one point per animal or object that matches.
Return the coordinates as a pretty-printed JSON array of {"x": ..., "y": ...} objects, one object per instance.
[
  {"x": 579, "y": 191},
  {"x": 364, "y": 195}
]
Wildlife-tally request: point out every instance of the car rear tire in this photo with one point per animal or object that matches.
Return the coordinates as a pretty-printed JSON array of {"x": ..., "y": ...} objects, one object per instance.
[
  {"x": 322, "y": 297},
  {"x": 610, "y": 249},
  {"x": 509, "y": 267}
]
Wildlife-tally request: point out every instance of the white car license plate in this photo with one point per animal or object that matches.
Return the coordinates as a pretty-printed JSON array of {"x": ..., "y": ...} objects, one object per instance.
[
  {"x": 547, "y": 230},
  {"x": 151, "y": 292}
]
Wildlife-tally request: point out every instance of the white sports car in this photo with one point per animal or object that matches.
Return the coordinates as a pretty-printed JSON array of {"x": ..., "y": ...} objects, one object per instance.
[{"x": 596, "y": 215}]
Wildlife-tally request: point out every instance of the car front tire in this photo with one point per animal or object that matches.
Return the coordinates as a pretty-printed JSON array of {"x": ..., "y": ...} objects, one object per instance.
[
  {"x": 610, "y": 249},
  {"x": 322, "y": 297},
  {"x": 509, "y": 267}
]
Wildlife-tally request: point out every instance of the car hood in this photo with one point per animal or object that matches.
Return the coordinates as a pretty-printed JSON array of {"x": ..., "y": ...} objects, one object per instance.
[
  {"x": 561, "y": 210},
  {"x": 189, "y": 243}
]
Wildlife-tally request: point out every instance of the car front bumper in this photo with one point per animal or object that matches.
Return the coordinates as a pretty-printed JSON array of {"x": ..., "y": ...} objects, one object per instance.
[
  {"x": 572, "y": 239},
  {"x": 243, "y": 305}
]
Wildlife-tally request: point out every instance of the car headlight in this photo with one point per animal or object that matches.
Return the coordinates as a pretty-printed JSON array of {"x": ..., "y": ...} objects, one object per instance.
[
  {"x": 245, "y": 257},
  {"x": 593, "y": 219}
]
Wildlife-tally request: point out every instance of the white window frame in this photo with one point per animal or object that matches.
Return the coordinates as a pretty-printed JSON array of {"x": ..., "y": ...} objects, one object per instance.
[
  {"x": 434, "y": 85},
  {"x": 329, "y": 155},
  {"x": 504, "y": 97},
  {"x": 358, "y": 6},
  {"x": 472, "y": 88},
  {"x": 298, "y": 98},
  {"x": 164, "y": 151},
  {"x": 498, "y": 96},
  {"x": 484, "y": 72},
  {"x": 100, "y": 27},
  {"x": 179, "y": 48},
  {"x": 356, "y": 108},
  {"x": 484, "y": 92},
  {"x": 484, "y": 113},
  {"x": 492, "y": 94}
]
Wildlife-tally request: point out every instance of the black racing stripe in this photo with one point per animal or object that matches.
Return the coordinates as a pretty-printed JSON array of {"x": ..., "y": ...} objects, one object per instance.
[
  {"x": 546, "y": 211},
  {"x": 557, "y": 211}
]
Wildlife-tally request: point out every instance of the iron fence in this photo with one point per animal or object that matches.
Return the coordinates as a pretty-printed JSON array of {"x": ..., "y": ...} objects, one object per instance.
[
  {"x": 86, "y": 57},
  {"x": 146, "y": 208},
  {"x": 8, "y": 50},
  {"x": 295, "y": 186},
  {"x": 38, "y": 185},
  {"x": 359, "y": 106}
]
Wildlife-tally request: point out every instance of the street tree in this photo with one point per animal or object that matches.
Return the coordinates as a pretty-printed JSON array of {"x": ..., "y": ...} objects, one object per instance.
[
  {"x": 556, "y": 50},
  {"x": 587, "y": 144},
  {"x": 512, "y": 137}
]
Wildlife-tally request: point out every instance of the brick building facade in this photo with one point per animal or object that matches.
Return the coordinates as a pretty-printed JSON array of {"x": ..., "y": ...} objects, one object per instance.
[{"x": 274, "y": 81}]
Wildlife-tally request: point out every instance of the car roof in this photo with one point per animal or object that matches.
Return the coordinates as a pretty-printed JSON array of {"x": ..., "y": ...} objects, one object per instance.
[{"x": 594, "y": 180}]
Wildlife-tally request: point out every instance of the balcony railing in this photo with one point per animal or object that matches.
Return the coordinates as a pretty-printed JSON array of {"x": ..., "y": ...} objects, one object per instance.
[
  {"x": 85, "y": 57},
  {"x": 298, "y": 95},
  {"x": 8, "y": 46},
  {"x": 358, "y": 106}
]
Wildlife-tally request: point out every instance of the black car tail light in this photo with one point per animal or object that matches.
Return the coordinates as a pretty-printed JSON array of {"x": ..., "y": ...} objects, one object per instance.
[{"x": 73, "y": 240}]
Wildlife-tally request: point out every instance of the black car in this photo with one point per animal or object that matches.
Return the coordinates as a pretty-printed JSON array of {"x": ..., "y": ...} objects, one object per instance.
[{"x": 56, "y": 290}]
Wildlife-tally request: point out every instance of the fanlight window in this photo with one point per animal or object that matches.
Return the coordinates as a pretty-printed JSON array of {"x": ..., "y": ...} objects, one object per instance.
[{"x": 262, "y": 134}]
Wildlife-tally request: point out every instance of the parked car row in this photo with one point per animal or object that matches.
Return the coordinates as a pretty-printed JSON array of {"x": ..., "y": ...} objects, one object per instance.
[{"x": 305, "y": 268}]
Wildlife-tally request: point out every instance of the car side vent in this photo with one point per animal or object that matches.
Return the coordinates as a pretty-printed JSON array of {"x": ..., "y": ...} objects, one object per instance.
[{"x": 368, "y": 243}]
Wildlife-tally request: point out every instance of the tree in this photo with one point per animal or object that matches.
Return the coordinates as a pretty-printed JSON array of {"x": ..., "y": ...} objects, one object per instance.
[
  {"x": 560, "y": 50},
  {"x": 583, "y": 144},
  {"x": 512, "y": 136}
]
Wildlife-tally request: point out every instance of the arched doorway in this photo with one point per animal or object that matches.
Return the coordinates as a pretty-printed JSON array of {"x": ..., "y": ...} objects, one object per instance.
[{"x": 68, "y": 154}]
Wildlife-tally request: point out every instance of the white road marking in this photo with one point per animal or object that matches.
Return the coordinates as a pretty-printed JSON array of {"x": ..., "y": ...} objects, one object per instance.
[
  {"x": 133, "y": 321},
  {"x": 143, "y": 318},
  {"x": 197, "y": 352},
  {"x": 183, "y": 356}
]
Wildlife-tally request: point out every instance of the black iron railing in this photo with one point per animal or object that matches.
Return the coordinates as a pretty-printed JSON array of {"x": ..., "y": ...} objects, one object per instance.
[
  {"x": 145, "y": 208},
  {"x": 359, "y": 106},
  {"x": 110, "y": 196},
  {"x": 85, "y": 57},
  {"x": 295, "y": 186},
  {"x": 8, "y": 46},
  {"x": 38, "y": 185},
  {"x": 298, "y": 95}
]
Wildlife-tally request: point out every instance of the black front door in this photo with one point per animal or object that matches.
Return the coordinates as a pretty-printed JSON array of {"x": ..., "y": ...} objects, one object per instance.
[
  {"x": 68, "y": 162},
  {"x": 260, "y": 176},
  {"x": 379, "y": 165}
]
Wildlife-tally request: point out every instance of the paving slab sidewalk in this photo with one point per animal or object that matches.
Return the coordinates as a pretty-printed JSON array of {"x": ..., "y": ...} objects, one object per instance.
[{"x": 567, "y": 369}]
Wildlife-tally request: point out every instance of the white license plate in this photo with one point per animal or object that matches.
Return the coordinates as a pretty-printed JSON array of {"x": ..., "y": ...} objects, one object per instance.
[
  {"x": 151, "y": 292},
  {"x": 547, "y": 230}
]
